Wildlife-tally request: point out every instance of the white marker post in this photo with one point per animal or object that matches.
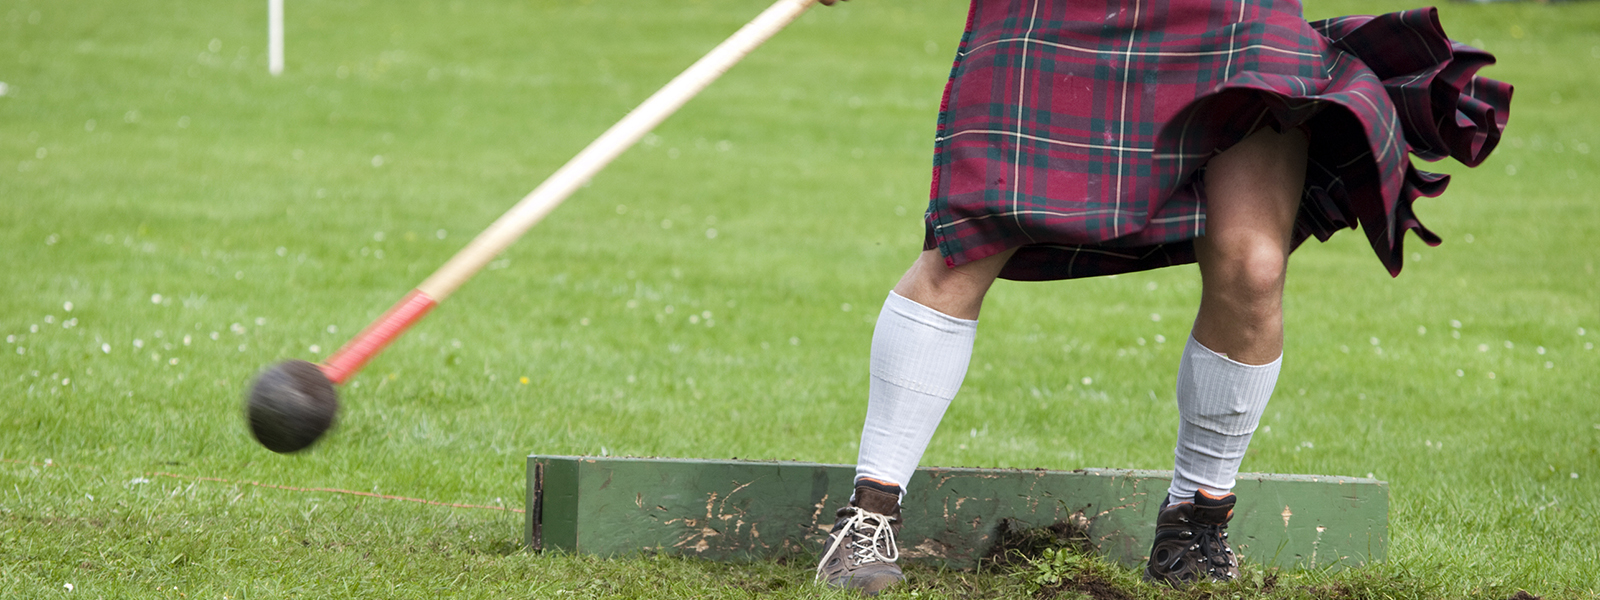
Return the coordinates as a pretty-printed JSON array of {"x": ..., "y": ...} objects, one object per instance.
[{"x": 275, "y": 37}]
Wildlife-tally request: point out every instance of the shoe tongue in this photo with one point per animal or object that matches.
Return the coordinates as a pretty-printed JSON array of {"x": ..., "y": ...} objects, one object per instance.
[
  {"x": 872, "y": 500},
  {"x": 1213, "y": 511}
]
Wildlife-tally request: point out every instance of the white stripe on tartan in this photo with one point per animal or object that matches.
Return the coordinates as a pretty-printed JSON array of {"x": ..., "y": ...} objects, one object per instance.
[
  {"x": 1122, "y": 119},
  {"x": 1036, "y": 138},
  {"x": 1022, "y": 102},
  {"x": 1143, "y": 53}
]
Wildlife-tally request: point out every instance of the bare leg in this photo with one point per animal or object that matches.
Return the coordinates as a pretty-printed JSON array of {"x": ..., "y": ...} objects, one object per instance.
[
  {"x": 1252, "y": 196},
  {"x": 957, "y": 292}
]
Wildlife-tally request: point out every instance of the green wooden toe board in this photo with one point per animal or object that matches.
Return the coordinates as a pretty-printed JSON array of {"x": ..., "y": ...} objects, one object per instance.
[{"x": 741, "y": 510}]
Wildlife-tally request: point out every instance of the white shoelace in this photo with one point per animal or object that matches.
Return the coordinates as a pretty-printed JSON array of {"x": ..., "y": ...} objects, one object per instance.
[{"x": 865, "y": 548}]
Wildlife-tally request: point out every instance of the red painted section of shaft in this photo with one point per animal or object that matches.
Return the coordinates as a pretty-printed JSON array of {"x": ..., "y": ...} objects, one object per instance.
[{"x": 377, "y": 336}]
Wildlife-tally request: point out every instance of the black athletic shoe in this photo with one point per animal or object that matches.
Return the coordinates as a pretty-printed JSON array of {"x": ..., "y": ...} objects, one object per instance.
[
  {"x": 861, "y": 551},
  {"x": 1192, "y": 542}
]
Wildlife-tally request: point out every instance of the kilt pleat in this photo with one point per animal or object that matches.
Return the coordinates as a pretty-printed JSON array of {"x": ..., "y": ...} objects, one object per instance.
[{"x": 1078, "y": 132}]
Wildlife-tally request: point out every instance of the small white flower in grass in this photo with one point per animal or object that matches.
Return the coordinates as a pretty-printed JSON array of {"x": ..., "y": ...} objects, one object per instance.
[
  {"x": 66, "y": 381},
  {"x": 67, "y": 307},
  {"x": 215, "y": 335},
  {"x": 138, "y": 343},
  {"x": 377, "y": 161},
  {"x": 584, "y": 321},
  {"x": 1491, "y": 374},
  {"x": 1161, "y": 339},
  {"x": 315, "y": 349},
  {"x": 377, "y": 236},
  {"x": 1455, "y": 324},
  {"x": 711, "y": 233},
  {"x": 1373, "y": 341},
  {"x": 845, "y": 307},
  {"x": 1483, "y": 347},
  {"x": 1574, "y": 475},
  {"x": 1539, "y": 350},
  {"x": 1088, "y": 381},
  {"x": 333, "y": 329},
  {"x": 261, "y": 321},
  {"x": 1509, "y": 345},
  {"x": 138, "y": 481},
  {"x": 1460, "y": 373},
  {"x": 187, "y": 340},
  {"x": 1549, "y": 365},
  {"x": 155, "y": 298},
  {"x": 106, "y": 348},
  {"x": 49, "y": 318},
  {"x": 6, "y": 89},
  {"x": 1582, "y": 331},
  {"x": 68, "y": 586},
  {"x": 1155, "y": 317},
  {"x": 173, "y": 361},
  {"x": 1422, "y": 330},
  {"x": 237, "y": 329},
  {"x": 21, "y": 350},
  {"x": 34, "y": 328},
  {"x": 1588, "y": 346},
  {"x": 1456, "y": 334},
  {"x": 794, "y": 341},
  {"x": 241, "y": 347}
]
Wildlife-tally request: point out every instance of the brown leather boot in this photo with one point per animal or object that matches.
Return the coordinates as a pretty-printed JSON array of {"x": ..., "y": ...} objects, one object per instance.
[
  {"x": 1192, "y": 542},
  {"x": 861, "y": 552}
]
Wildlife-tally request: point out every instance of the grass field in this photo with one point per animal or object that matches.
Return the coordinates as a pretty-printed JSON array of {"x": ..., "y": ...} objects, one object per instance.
[{"x": 172, "y": 219}]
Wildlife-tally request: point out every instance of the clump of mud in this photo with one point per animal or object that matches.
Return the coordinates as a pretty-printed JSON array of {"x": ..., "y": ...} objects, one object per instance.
[{"x": 1016, "y": 543}]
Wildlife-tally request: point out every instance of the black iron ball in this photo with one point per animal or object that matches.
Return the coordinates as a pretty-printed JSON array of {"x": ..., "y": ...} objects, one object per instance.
[{"x": 290, "y": 406}]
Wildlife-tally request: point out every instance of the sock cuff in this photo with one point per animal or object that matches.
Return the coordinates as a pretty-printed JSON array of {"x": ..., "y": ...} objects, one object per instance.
[
  {"x": 927, "y": 316},
  {"x": 1223, "y": 395},
  {"x": 921, "y": 349},
  {"x": 1194, "y": 346}
]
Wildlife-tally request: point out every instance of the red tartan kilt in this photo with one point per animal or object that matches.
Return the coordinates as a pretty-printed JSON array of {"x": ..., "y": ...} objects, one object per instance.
[{"x": 1078, "y": 131}]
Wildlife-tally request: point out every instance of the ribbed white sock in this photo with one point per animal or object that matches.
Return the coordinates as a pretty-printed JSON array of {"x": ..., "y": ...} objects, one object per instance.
[
  {"x": 1220, "y": 401},
  {"x": 919, "y": 358}
]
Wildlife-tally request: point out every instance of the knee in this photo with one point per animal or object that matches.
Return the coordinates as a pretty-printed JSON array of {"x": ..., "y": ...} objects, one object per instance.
[{"x": 1250, "y": 272}]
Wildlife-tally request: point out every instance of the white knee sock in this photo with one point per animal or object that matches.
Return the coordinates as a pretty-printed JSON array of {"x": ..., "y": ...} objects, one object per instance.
[
  {"x": 919, "y": 358},
  {"x": 1220, "y": 401}
]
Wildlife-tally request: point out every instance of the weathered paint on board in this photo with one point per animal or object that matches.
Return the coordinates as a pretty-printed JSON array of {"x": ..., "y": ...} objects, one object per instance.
[{"x": 740, "y": 510}]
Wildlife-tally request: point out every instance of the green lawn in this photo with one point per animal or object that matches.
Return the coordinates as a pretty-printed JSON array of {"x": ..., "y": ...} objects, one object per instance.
[{"x": 173, "y": 219}]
